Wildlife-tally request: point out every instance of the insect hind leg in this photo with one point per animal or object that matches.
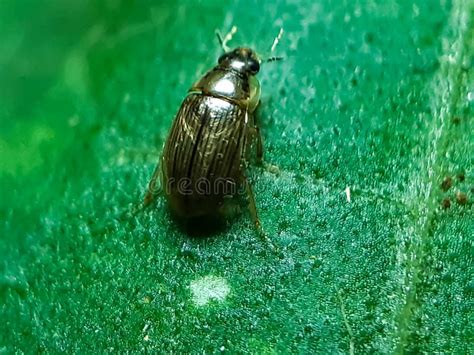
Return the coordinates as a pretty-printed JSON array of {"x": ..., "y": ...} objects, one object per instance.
[
  {"x": 252, "y": 204},
  {"x": 154, "y": 186},
  {"x": 254, "y": 215}
]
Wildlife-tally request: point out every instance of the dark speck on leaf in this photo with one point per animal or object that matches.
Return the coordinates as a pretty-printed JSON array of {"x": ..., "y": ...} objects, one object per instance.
[
  {"x": 369, "y": 37},
  {"x": 461, "y": 198},
  {"x": 456, "y": 120},
  {"x": 446, "y": 203},
  {"x": 447, "y": 183}
]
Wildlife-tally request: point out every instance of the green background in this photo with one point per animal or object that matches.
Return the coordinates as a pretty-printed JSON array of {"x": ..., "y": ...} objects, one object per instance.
[{"x": 376, "y": 96}]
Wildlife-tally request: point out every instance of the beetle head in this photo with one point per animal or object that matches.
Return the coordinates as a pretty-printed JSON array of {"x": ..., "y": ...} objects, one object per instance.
[{"x": 241, "y": 59}]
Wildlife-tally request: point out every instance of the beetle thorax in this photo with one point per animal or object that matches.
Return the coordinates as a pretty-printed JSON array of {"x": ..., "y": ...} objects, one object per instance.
[{"x": 232, "y": 85}]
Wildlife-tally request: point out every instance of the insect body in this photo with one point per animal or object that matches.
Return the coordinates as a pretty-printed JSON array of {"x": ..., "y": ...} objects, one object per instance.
[{"x": 204, "y": 157}]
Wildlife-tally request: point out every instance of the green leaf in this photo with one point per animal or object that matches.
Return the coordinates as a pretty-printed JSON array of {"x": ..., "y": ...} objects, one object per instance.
[{"x": 369, "y": 120}]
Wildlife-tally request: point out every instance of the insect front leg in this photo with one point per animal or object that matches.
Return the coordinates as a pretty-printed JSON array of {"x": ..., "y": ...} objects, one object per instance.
[
  {"x": 255, "y": 138},
  {"x": 274, "y": 169}
]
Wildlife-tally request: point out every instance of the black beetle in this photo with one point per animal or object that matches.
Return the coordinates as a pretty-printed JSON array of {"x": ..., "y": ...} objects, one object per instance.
[{"x": 205, "y": 154}]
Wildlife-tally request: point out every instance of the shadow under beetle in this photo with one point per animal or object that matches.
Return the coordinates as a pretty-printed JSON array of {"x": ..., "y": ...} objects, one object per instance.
[{"x": 205, "y": 155}]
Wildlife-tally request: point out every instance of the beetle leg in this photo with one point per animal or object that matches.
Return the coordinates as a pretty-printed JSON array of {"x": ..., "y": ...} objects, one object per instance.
[
  {"x": 254, "y": 215},
  {"x": 255, "y": 136},
  {"x": 269, "y": 167},
  {"x": 259, "y": 145},
  {"x": 153, "y": 187},
  {"x": 258, "y": 136},
  {"x": 252, "y": 205}
]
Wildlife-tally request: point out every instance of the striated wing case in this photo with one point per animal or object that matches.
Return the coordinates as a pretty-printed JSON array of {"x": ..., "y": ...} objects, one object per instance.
[{"x": 202, "y": 157}]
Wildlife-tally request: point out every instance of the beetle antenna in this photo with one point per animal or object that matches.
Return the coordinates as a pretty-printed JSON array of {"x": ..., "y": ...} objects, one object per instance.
[
  {"x": 227, "y": 38},
  {"x": 276, "y": 40},
  {"x": 272, "y": 59},
  {"x": 275, "y": 43},
  {"x": 221, "y": 41}
]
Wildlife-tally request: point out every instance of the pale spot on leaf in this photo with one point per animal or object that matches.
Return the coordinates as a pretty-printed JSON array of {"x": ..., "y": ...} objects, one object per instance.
[{"x": 209, "y": 288}]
